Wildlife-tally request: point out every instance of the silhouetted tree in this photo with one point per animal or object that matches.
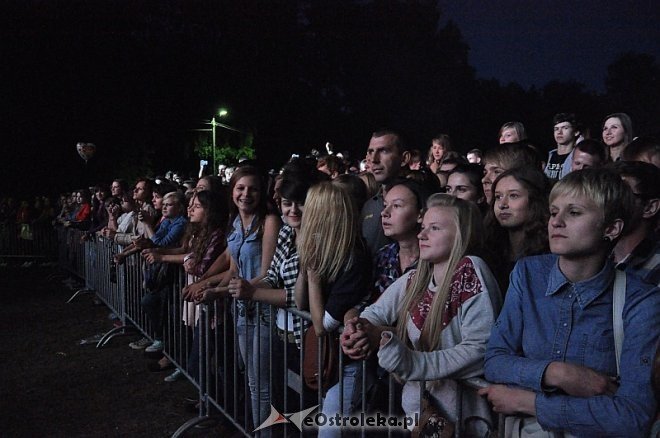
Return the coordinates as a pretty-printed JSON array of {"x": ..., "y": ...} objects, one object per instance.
[{"x": 633, "y": 87}]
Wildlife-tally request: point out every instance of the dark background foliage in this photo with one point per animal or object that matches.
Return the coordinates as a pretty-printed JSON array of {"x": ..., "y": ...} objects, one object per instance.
[{"x": 137, "y": 77}]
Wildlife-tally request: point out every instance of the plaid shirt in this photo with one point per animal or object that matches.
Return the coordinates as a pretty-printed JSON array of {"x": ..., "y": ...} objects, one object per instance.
[
  {"x": 387, "y": 268},
  {"x": 283, "y": 273}
]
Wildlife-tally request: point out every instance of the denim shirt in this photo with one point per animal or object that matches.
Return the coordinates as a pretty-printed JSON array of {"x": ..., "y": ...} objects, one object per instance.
[
  {"x": 546, "y": 318},
  {"x": 169, "y": 232},
  {"x": 245, "y": 249}
]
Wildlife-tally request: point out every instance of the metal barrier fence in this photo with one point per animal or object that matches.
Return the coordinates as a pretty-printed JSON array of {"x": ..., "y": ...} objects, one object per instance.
[
  {"x": 205, "y": 343},
  {"x": 71, "y": 251},
  {"x": 28, "y": 241}
]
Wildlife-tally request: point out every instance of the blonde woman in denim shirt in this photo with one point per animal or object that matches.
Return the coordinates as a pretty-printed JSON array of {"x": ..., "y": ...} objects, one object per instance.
[{"x": 552, "y": 350}]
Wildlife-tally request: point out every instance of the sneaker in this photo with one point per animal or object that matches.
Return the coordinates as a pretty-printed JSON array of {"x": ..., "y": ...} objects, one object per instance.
[
  {"x": 141, "y": 344},
  {"x": 176, "y": 375},
  {"x": 155, "y": 347}
]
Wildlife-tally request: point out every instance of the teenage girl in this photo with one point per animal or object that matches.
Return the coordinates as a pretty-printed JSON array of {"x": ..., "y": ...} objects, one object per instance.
[
  {"x": 335, "y": 276},
  {"x": 433, "y": 323}
]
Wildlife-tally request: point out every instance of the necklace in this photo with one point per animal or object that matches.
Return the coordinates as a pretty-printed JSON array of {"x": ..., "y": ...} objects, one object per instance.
[{"x": 246, "y": 230}]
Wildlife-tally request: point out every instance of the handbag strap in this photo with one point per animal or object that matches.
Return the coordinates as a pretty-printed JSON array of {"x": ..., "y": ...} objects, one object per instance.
[{"x": 619, "y": 300}]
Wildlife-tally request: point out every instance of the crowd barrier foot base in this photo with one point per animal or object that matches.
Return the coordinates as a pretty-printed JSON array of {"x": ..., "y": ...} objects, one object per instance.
[
  {"x": 55, "y": 276},
  {"x": 201, "y": 422},
  {"x": 79, "y": 292},
  {"x": 124, "y": 330}
]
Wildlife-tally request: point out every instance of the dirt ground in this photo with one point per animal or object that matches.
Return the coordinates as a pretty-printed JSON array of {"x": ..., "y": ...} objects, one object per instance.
[{"x": 50, "y": 385}]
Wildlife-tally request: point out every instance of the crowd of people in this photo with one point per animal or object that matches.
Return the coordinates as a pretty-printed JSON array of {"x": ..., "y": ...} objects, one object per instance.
[{"x": 506, "y": 263}]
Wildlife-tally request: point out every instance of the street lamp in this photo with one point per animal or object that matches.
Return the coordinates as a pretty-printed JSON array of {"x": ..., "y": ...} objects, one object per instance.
[{"x": 221, "y": 113}]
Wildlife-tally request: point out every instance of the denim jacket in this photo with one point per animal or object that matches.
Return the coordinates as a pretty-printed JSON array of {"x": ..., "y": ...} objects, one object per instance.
[
  {"x": 546, "y": 318},
  {"x": 169, "y": 232}
]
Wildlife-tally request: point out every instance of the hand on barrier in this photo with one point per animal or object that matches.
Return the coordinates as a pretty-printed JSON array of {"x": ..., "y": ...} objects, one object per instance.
[
  {"x": 241, "y": 289},
  {"x": 108, "y": 233},
  {"x": 206, "y": 296},
  {"x": 190, "y": 291},
  {"x": 119, "y": 258},
  {"x": 510, "y": 401},
  {"x": 151, "y": 256}
]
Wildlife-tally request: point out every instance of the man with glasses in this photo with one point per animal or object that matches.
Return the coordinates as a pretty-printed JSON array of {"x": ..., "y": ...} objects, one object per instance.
[{"x": 638, "y": 251}]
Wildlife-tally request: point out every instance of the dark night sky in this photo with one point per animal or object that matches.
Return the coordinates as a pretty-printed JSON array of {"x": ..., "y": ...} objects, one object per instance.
[
  {"x": 130, "y": 75},
  {"x": 534, "y": 42}
]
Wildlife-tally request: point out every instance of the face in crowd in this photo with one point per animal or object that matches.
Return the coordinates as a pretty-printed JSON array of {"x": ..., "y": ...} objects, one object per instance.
[
  {"x": 384, "y": 158},
  {"x": 509, "y": 135},
  {"x": 400, "y": 216},
  {"x": 511, "y": 206}
]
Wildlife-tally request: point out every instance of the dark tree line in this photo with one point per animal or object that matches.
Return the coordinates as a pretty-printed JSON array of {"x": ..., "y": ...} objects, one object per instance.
[{"x": 136, "y": 77}]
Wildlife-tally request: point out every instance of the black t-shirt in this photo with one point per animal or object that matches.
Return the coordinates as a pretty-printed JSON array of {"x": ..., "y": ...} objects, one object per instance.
[
  {"x": 351, "y": 287},
  {"x": 553, "y": 168}
]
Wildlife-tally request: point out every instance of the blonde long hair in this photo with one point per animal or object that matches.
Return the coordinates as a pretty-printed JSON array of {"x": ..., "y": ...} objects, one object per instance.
[
  {"x": 469, "y": 229},
  {"x": 329, "y": 231}
]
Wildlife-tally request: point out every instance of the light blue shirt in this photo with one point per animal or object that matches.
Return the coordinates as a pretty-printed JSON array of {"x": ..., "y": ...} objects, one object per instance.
[{"x": 245, "y": 249}]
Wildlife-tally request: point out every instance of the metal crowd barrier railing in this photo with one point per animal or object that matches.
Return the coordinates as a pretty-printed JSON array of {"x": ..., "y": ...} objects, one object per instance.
[
  {"x": 215, "y": 353},
  {"x": 201, "y": 340},
  {"x": 28, "y": 241},
  {"x": 71, "y": 251}
]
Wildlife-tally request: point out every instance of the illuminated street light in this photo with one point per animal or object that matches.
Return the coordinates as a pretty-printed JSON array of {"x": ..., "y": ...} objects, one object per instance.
[{"x": 221, "y": 113}]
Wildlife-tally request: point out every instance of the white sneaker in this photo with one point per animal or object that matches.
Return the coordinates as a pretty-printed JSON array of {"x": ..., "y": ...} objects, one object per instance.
[
  {"x": 141, "y": 344},
  {"x": 155, "y": 347},
  {"x": 176, "y": 375}
]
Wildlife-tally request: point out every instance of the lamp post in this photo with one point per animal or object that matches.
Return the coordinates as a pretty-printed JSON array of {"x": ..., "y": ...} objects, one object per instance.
[
  {"x": 221, "y": 113},
  {"x": 213, "y": 124}
]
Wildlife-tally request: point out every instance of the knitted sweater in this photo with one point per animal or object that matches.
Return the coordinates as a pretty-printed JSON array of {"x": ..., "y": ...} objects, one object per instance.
[{"x": 468, "y": 316}]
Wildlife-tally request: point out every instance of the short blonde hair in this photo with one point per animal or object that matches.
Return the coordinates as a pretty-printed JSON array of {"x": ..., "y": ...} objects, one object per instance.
[
  {"x": 177, "y": 196},
  {"x": 516, "y": 126},
  {"x": 603, "y": 186}
]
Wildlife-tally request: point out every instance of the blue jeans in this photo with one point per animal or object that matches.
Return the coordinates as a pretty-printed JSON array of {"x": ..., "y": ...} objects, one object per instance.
[
  {"x": 254, "y": 334},
  {"x": 331, "y": 403},
  {"x": 154, "y": 305}
]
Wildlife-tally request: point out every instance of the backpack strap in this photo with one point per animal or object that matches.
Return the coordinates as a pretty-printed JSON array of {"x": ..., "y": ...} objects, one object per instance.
[{"x": 619, "y": 300}]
